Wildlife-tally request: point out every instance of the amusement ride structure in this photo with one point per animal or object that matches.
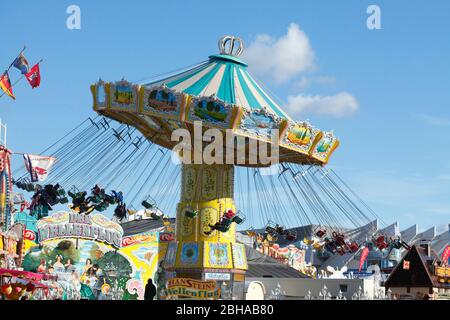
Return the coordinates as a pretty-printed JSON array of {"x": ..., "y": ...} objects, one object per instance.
[
  {"x": 223, "y": 95},
  {"x": 130, "y": 165}
]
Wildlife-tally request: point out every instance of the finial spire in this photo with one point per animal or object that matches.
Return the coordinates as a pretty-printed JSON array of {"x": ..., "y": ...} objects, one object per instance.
[{"x": 230, "y": 45}]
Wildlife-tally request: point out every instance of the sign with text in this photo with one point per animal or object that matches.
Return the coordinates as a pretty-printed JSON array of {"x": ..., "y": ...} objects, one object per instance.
[
  {"x": 217, "y": 276},
  {"x": 193, "y": 289},
  {"x": 75, "y": 225}
]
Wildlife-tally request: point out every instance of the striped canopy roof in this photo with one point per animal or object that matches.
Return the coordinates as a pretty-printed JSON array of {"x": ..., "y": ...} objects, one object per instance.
[{"x": 226, "y": 77}]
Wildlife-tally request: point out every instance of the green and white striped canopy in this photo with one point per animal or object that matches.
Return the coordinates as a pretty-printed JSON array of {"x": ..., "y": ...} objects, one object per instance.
[{"x": 226, "y": 77}]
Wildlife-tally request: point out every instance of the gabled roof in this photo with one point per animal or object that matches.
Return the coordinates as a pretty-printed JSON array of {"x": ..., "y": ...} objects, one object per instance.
[{"x": 418, "y": 274}]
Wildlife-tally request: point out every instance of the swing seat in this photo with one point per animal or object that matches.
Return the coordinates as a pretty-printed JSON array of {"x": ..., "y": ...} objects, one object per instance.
[
  {"x": 291, "y": 236},
  {"x": 88, "y": 210},
  {"x": 269, "y": 230},
  {"x": 155, "y": 216},
  {"x": 330, "y": 247},
  {"x": 381, "y": 243},
  {"x": 95, "y": 199},
  {"x": 101, "y": 207},
  {"x": 226, "y": 222},
  {"x": 397, "y": 245},
  {"x": 339, "y": 238},
  {"x": 147, "y": 205},
  {"x": 238, "y": 219},
  {"x": 190, "y": 213},
  {"x": 63, "y": 200},
  {"x": 353, "y": 247},
  {"x": 110, "y": 199},
  {"x": 321, "y": 233},
  {"x": 222, "y": 228}
]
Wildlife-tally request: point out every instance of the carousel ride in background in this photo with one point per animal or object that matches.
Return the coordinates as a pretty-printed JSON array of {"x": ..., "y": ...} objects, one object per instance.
[{"x": 120, "y": 162}]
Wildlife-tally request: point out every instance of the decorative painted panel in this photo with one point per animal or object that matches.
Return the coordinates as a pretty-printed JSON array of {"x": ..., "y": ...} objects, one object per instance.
[
  {"x": 162, "y": 101},
  {"x": 301, "y": 136},
  {"x": 259, "y": 123},
  {"x": 239, "y": 258},
  {"x": 218, "y": 255},
  {"x": 211, "y": 111},
  {"x": 124, "y": 96},
  {"x": 325, "y": 147}
]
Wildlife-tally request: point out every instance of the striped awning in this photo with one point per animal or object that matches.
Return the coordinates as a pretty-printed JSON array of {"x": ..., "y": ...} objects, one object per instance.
[{"x": 226, "y": 77}]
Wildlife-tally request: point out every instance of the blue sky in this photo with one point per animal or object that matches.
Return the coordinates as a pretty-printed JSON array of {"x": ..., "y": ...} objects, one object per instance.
[{"x": 395, "y": 122}]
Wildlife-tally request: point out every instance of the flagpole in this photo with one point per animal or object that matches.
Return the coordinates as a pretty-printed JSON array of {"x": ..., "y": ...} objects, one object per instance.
[{"x": 21, "y": 77}]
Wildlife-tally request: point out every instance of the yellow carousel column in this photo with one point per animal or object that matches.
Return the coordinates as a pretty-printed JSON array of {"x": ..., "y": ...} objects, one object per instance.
[{"x": 202, "y": 253}]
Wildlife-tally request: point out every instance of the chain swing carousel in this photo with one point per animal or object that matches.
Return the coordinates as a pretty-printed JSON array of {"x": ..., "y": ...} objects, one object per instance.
[
  {"x": 125, "y": 165},
  {"x": 223, "y": 95}
]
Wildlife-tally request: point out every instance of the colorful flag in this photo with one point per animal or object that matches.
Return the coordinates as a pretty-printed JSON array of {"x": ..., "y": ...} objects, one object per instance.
[
  {"x": 38, "y": 166},
  {"x": 21, "y": 63},
  {"x": 405, "y": 264},
  {"x": 24, "y": 205},
  {"x": 446, "y": 255},
  {"x": 34, "y": 76},
  {"x": 5, "y": 84},
  {"x": 363, "y": 257}
]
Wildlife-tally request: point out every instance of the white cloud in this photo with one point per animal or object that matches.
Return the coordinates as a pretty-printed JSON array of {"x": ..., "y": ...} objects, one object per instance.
[
  {"x": 339, "y": 105},
  {"x": 444, "y": 177},
  {"x": 283, "y": 58}
]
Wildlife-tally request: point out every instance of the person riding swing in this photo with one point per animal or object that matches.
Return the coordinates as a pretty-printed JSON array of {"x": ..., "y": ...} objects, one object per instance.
[{"x": 225, "y": 222}]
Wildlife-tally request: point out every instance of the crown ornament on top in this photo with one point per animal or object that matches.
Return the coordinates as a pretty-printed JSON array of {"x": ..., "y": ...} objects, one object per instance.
[{"x": 232, "y": 46}]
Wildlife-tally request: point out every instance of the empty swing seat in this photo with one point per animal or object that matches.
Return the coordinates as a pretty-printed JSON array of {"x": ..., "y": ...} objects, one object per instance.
[
  {"x": 238, "y": 219},
  {"x": 190, "y": 213}
]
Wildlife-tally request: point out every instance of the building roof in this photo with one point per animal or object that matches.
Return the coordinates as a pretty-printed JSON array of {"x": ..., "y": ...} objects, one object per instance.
[
  {"x": 144, "y": 225},
  {"x": 441, "y": 241},
  {"x": 263, "y": 266},
  {"x": 418, "y": 273},
  {"x": 409, "y": 233}
]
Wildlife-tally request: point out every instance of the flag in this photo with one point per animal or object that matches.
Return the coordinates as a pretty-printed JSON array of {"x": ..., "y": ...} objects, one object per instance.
[
  {"x": 21, "y": 63},
  {"x": 34, "y": 76},
  {"x": 405, "y": 265},
  {"x": 38, "y": 166},
  {"x": 24, "y": 205},
  {"x": 446, "y": 254},
  {"x": 5, "y": 84},
  {"x": 363, "y": 257}
]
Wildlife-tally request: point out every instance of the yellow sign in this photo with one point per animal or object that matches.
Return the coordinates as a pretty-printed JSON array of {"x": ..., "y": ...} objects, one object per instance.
[{"x": 194, "y": 289}]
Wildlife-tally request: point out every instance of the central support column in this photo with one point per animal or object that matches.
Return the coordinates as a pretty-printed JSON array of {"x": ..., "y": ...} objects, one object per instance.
[
  {"x": 208, "y": 190},
  {"x": 200, "y": 253}
]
